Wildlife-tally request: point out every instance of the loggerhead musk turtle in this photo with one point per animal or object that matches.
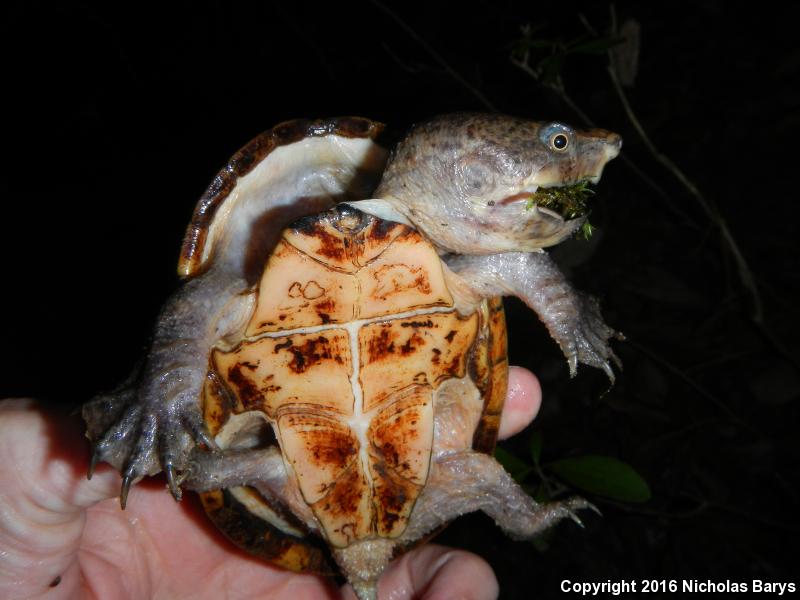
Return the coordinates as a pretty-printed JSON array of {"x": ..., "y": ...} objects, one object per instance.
[{"x": 330, "y": 375}]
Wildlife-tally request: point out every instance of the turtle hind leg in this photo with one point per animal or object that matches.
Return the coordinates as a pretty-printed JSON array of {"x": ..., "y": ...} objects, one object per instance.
[
  {"x": 155, "y": 423},
  {"x": 363, "y": 562},
  {"x": 468, "y": 481}
]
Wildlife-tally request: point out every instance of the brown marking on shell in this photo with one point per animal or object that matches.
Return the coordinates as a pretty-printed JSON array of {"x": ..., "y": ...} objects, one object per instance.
[
  {"x": 400, "y": 352},
  {"x": 427, "y": 323},
  {"x": 382, "y": 230},
  {"x": 320, "y": 449},
  {"x": 216, "y": 405},
  {"x": 397, "y": 433},
  {"x": 412, "y": 344},
  {"x": 402, "y": 362},
  {"x": 376, "y": 237},
  {"x": 401, "y": 437},
  {"x": 346, "y": 512},
  {"x": 298, "y": 291},
  {"x": 497, "y": 329},
  {"x": 245, "y": 160},
  {"x": 326, "y": 447},
  {"x": 330, "y": 245},
  {"x": 394, "y": 499},
  {"x": 324, "y": 310},
  {"x": 345, "y": 496},
  {"x": 435, "y": 359},
  {"x": 358, "y": 272},
  {"x": 344, "y": 238},
  {"x": 249, "y": 394},
  {"x": 405, "y": 275},
  {"x": 312, "y": 369},
  {"x": 312, "y": 352},
  {"x": 282, "y": 346},
  {"x": 262, "y": 539},
  {"x": 397, "y": 278},
  {"x": 381, "y": 345},
  {"x": 491, "y": 353}
]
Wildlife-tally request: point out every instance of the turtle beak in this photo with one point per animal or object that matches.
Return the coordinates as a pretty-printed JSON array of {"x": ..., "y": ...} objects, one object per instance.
[
  {"x": 602, "y": 146},
  {"x": 613, "y": 145}
]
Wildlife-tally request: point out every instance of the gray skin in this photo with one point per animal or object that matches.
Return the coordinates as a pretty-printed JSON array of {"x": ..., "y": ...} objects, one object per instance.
[{"x": 463, "y": 181}]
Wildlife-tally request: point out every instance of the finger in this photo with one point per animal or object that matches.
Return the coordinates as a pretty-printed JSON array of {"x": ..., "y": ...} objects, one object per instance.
[
  {"x": 43, "y": 489},
  {"x": 433, "y": 572},
  {"x": 45, "y": 459},
  {"x": 523, "y": 399}
]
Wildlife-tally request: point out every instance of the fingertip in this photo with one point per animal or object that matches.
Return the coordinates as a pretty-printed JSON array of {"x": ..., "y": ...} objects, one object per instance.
[
  {"x": 433, "y": 572},
  {"x": 523, "y": 400}
]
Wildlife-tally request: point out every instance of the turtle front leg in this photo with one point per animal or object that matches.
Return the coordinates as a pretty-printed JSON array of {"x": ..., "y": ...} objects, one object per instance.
[
  {"x": 572, "y": 317},
  {"x": 153, "y": 424},
  {"x": 468, "y": 481}
]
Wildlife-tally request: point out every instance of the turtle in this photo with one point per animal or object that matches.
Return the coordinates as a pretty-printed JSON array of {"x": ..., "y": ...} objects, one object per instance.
[{"x": 330, "y": 375}]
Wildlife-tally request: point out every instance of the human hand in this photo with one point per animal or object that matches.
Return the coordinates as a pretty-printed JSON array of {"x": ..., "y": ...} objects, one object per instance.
[{"x": 64, "y": 536}]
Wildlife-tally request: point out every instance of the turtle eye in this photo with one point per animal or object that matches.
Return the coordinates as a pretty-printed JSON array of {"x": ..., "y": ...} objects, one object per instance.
[
  {"x": 557, "y": 137},
  {"x": 559, "y": 142}
]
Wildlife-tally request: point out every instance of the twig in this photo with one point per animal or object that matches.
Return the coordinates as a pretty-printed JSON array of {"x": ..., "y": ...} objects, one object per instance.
[
  {"x": 702, "y": 506},
  {"x": 745, "y": 274},
  {"x": 560, "y": 90},
  {"x": 435, "y": 55},
  {"x": 396, "y": 59},
  {"x": 695, "y": 386}
]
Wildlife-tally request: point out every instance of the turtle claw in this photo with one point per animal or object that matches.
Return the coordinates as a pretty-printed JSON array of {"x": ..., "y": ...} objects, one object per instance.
[
  {"x": 148, "y": 435},
  {"x": 568, "y": 508},
  {"x": 174, "y": 482},
  {"x": 572, "y": 362},
  {"x": 127, "y": 480},
  {"x": 576, "y": 519},
  {"x": 593, "y": 508},
  {"x": 584, "y": 338},
  {"x": 92, "y": 464},
  {"x": 199, "y": 431},
  {"x": 609, "y": 372}
]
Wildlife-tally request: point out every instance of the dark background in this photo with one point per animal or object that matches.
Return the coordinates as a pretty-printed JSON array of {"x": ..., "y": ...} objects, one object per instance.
[{"x": 116, "y": 120}]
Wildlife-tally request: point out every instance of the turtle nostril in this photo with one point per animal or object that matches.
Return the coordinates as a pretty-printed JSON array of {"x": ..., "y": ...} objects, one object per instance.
[{"x": 613, "y": 143}]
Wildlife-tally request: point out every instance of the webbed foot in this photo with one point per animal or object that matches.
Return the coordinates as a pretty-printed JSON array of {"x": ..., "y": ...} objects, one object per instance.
[
  {"x": 146, "y": 428},
  {"x": 584, "y": 336},
  {"x": 468, "y": 481}
]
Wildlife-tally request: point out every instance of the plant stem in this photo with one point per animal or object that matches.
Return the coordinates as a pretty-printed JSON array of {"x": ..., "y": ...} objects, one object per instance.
[{"x": 435, "y": 55}]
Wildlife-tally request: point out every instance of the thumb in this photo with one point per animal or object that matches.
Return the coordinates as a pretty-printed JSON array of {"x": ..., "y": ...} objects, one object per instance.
[
  {"x": 433, "y": 572},
  {"x": 43, "y": 495}
]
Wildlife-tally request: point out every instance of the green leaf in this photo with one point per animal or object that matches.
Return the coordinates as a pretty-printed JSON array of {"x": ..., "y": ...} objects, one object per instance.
[
  {"x": 542, "y": 541},
  {"x": 517, "y": 468},
  {"x": 536, "y": 447},
  {"x": 549, "y": 44},
  {"x": 604, "y": 476},
  {"x": 551, "y": 67},
  {"x": 595, "y": 46}
]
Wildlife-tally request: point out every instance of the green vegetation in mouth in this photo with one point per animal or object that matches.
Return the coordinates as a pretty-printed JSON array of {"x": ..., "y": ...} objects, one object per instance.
[{"x": 568, "y": 201}]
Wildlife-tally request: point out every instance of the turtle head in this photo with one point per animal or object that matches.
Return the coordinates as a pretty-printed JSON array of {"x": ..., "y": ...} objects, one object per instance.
[{"x": 480, "y": 184}]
